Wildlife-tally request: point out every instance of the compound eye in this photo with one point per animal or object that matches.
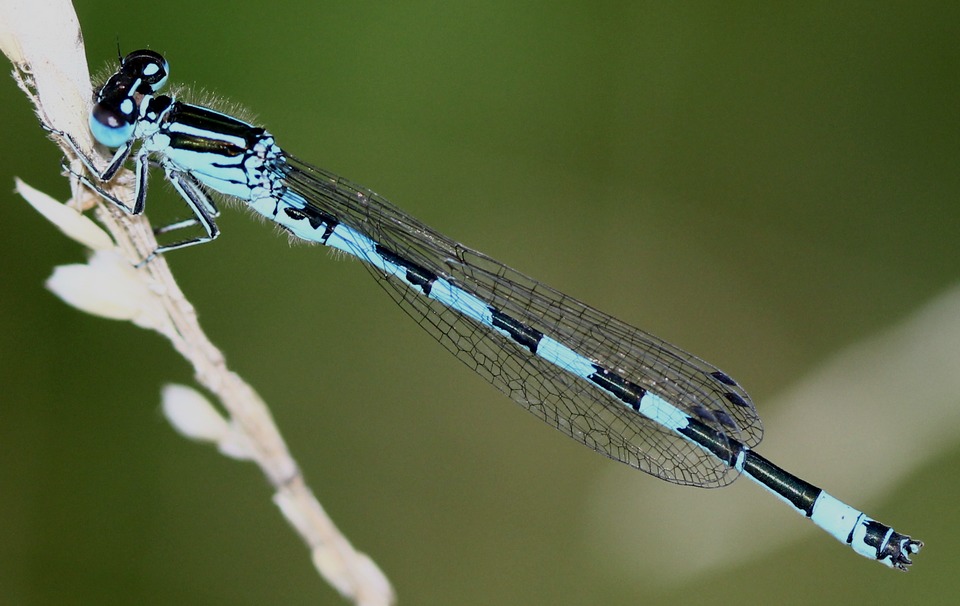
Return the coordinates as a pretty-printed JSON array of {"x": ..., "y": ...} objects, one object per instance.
[
  {"x": 149, "y": 67},
  {"x": 113, "y": 125}
]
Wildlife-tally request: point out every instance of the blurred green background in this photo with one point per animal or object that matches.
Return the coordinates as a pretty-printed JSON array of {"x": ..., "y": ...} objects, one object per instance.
[{"x": 762, "y": 186}]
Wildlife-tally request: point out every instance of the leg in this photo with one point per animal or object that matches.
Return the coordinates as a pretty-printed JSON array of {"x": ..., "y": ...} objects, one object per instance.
[
  {"x": 209, "y": 206},
  {"x": 203, "y": 209},
  {"x": 140, "y": 188},
  {"x": 119, "y": 157}
]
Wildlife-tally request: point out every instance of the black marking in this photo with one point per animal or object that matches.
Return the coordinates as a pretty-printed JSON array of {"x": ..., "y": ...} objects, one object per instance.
[
  {"x": 207, "y": 120},
  {"x": 797, "y": 492},
  {"x": 723, "y": 378},
  {"x": 622, "y": 389},
  {"x": 875, "y": 535},
  {"x": 157, "y": 106},
  {"x": 713, "y": 441},
  {"x": 889, "y": 544},
  {"x": 205, "y": 145},
  {"x": 316, "y": 217},
  {"x": 519, "y": 332},
  {"x": 704, "y": 413},
  {"x": 416, "y": 275},
  {"x": 736, "y": 399},
  {"x": 716, "y": 416},
  {"x": 724, "y": 418}
]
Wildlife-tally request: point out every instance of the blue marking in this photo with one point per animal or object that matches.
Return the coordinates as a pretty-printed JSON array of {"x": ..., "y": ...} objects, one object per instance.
[
  {"x": 461, "y": 301},
  {"x": 738, "y": 465},
  {"x": 110, "y": 136},
  {"x": 563, "y": 357},
  {"x": 662, "y": 412},
  {"x": 836, "y": 517},
  {"x": 351, "y": 242}
]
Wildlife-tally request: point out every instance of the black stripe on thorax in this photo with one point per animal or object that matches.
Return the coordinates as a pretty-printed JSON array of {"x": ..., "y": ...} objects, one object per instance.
[{"x": 217, "y": 124}]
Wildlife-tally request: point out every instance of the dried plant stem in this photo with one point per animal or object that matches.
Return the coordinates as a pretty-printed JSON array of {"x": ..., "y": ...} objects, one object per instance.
[{"x": 42, "y": 39}]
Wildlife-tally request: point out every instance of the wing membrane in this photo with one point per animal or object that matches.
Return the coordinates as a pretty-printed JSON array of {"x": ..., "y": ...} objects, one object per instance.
[{"x": 568, "y": 402}]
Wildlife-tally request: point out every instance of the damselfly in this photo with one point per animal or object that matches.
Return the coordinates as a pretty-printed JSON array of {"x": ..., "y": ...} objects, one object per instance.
[{"x": 613, "y": 387}]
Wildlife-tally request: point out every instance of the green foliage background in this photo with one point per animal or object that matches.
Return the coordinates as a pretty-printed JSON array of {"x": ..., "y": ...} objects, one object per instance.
[{"x": 761, "y": 185}]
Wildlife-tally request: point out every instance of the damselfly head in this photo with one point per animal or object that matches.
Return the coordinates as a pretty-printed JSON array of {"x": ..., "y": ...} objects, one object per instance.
[{"x": 116, "y": 108}]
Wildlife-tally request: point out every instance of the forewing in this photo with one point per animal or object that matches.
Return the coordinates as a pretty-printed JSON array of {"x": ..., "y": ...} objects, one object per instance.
[{"x": 568, "y": 402}]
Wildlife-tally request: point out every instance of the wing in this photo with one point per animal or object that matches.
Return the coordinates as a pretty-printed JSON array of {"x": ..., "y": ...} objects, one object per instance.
[{"x": 562, "y": 399}]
